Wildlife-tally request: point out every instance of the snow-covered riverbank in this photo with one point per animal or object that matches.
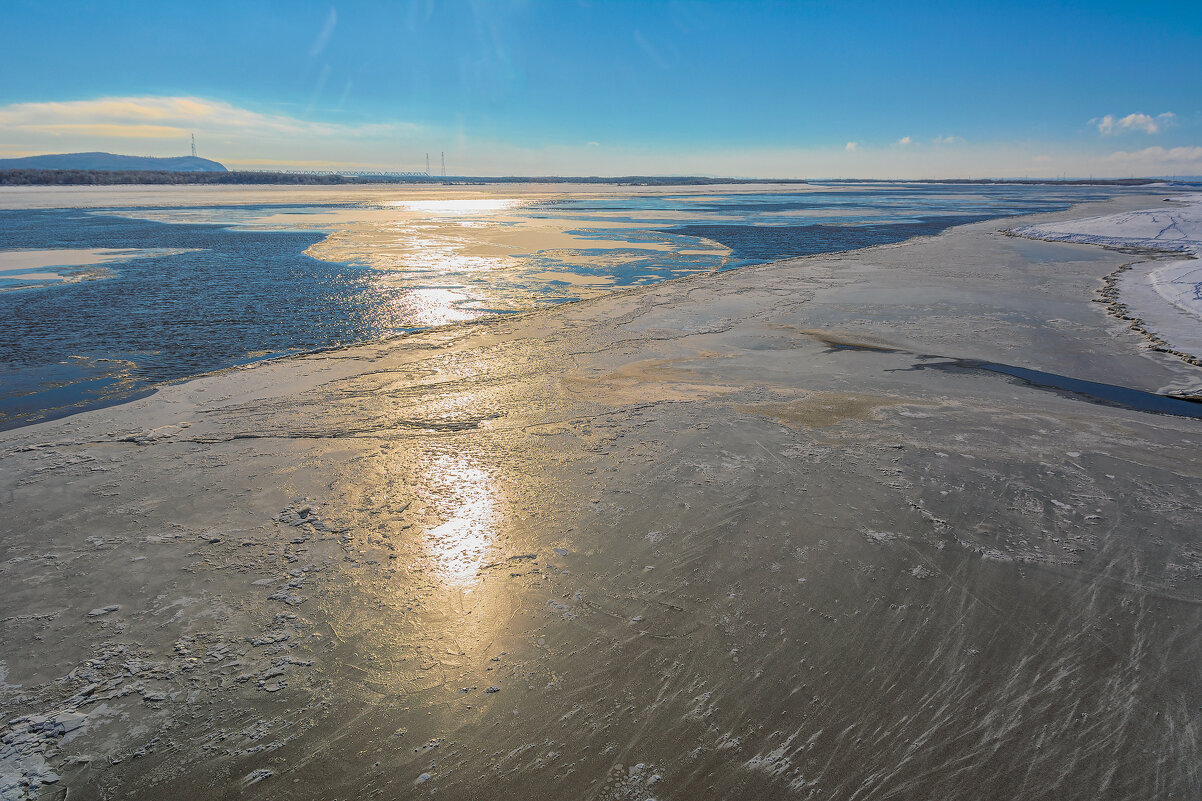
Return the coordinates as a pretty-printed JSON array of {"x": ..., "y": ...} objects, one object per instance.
[{"x": 1166, "y": 296}]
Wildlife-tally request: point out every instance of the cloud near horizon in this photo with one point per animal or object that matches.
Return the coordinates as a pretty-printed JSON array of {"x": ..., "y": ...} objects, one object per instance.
[
  {"x": 245, "y": 139},
  {"x": 150, "y": 121},
  {"x": 1146, "y": 123},
  {"x": 1177, "y": 155}
]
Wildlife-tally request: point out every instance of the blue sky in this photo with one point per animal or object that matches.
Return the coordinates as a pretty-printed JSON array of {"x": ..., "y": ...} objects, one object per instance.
[{"x": 787, "y": 89}]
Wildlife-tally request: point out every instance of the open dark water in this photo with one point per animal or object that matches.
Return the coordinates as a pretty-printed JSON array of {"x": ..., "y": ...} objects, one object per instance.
[
  {"x": 233, "y": 297},
  {"x": 237, "y": 294}
]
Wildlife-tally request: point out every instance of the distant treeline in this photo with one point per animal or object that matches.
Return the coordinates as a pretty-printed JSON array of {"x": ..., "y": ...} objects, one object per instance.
[
  {"x": 32, "y": 177},
  {"x": 1022, "y": 181},
  {"x": 26, "y": 177}
]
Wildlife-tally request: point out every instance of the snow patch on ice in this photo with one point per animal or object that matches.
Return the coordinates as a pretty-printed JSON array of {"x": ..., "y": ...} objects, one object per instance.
[
  {"x": 1178, "y": 283},
  {"x": 1176, "y": 228}
]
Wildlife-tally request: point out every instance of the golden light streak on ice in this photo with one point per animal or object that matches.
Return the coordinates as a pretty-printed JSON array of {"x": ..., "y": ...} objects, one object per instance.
[
  {"x": 466, "y": 496},
  {"x": 458, "y": 206},
  {"x": 433, "y": 306}
]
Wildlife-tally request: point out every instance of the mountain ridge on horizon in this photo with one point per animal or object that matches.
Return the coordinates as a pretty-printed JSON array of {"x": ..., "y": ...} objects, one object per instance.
[{"x": 112, "y": 162}]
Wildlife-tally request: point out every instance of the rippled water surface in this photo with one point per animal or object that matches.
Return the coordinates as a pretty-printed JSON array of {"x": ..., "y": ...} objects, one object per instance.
[{"x": 151, "y": 292}]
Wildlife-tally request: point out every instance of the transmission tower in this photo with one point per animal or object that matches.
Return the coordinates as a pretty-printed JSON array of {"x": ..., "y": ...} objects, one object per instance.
[
  {"x": 193, "y": 145},
  {"x": 444, "y": 163},
  {"x": 427, "y": 165}
]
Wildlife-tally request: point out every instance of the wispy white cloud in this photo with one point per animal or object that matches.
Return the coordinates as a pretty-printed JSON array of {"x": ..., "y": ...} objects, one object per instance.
[
  {"x": 327, "y": 30},
  {"x": 966, "y": 160},
  {"x": 1111, "y": 125},
  {"x": 155, "y": 117},
  {"x": 244, "y": 138},
  {"x": 1176, "y": 155}
]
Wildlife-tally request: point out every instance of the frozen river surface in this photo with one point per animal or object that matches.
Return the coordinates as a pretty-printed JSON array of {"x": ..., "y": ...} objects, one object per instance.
[{"x": 108, "y": 292}]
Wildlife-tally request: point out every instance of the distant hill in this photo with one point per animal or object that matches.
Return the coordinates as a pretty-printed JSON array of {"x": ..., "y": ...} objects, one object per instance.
[{"x": 110, "y": 162}]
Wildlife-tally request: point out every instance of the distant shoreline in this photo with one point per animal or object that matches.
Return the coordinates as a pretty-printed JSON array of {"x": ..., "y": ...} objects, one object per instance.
[{"x": 41, "y": 177}]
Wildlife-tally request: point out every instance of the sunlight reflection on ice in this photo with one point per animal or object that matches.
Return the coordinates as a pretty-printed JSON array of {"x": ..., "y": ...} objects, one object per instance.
[
  {"x": 426, "y": 250},
  {"x": 464, "y": 206},
  {"x": 436, "y": 306},
  {"x": 465, "y": 494}
]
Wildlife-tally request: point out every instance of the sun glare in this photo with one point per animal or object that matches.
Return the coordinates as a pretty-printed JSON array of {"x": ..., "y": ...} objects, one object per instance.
[
  {"x": 465, "y": 496},
  {"x": 456, "y": 207}
]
